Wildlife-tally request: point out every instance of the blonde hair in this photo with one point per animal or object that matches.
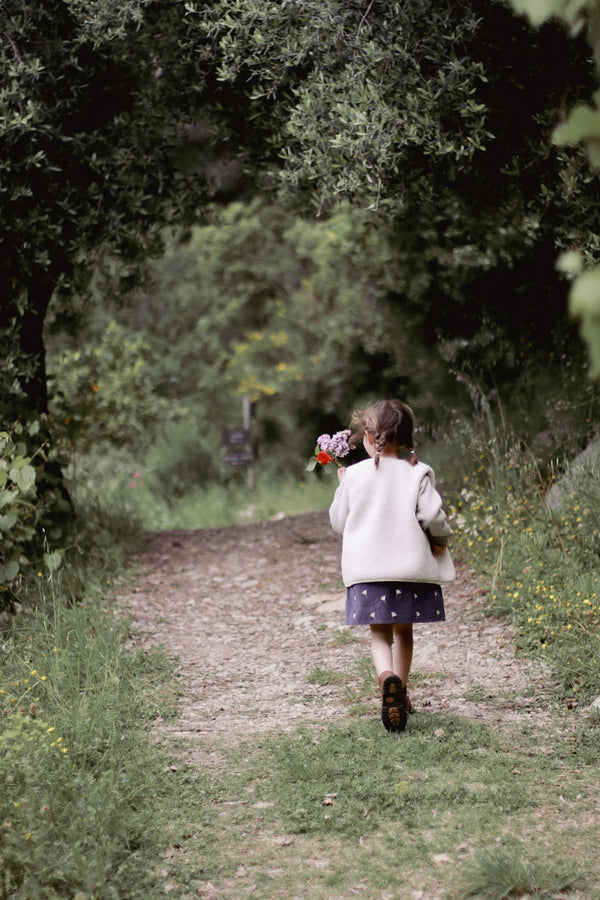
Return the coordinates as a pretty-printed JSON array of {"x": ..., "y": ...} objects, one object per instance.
[{"x": 390, "y": 422}]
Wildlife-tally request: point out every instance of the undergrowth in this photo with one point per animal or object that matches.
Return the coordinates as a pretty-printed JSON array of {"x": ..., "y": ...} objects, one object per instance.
[
  {"x": 138, "y": 491},
  {"x": 79, "y": 778},
  {"x": 536, "y": 541}
]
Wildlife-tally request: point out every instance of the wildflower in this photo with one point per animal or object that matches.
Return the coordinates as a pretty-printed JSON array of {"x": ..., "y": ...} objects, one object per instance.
[
  {"x": 330, "y": 448},
  {"x": 324, "y": 458},
  {"x": 336, "y": 445}
]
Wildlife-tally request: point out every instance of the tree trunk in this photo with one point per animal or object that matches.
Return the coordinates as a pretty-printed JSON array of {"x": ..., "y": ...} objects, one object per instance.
[{"x": 34, "y": 385}]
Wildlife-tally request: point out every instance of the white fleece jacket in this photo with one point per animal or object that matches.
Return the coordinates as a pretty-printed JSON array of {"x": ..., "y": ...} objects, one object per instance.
[{"x": 382, "y": 514}]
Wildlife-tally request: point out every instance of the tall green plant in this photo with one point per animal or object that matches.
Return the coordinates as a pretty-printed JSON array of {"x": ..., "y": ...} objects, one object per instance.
[
  {"x": 539, "y": 554},
  {"x": 24, "y": 509}
]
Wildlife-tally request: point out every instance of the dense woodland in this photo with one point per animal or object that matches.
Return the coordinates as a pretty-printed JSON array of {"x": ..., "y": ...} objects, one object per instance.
[{"x": 307, "y": 204}]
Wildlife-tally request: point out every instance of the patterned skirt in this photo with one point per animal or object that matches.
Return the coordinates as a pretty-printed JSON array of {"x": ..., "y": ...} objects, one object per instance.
[{"x": 393, "y": 603}]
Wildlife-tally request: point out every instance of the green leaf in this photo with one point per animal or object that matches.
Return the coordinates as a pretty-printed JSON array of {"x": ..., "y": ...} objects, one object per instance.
[
  {"x": 6, "y": 497},
  {"x": 24, "y": 477},
  {"x": 537, "y": 11},
  {"x": 570, "y": 262},
  {"x": 312, "y": 464},
  {"x": 584, "y": 304},
  {"x": 9, "y": 572},
  {"x": 53, "y": 560},
  {"x": 8, "y": 521},
  {"x": 583, "y": 124}
]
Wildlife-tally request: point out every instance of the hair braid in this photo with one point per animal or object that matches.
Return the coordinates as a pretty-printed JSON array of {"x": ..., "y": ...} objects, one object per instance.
[
  {"x": 380, "y": 439},
  {"x": 390, "y": 422}
]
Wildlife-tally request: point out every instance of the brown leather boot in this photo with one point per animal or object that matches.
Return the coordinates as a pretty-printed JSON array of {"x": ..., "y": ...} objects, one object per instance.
[
  {"x": 407, "y": 701},
  {"x": 393, "y": 702}
]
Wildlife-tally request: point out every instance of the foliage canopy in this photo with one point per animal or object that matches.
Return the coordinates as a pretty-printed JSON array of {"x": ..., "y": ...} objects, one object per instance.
[{"x": 431, "y": 118}]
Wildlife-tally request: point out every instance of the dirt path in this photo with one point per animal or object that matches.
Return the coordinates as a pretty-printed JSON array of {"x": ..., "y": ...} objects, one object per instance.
[{"x": 251, "y": 611}]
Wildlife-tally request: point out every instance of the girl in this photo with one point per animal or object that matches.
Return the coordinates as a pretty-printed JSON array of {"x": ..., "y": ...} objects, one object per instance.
[{"x": 394, "y": 552}]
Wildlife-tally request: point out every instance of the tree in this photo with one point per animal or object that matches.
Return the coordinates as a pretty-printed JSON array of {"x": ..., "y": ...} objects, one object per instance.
[
  {"x": 87, "y": 168},
  {"x": 287, "y": 310},
  {"x": 422, "y": 111},
  {"x": 89, "y": 134}
]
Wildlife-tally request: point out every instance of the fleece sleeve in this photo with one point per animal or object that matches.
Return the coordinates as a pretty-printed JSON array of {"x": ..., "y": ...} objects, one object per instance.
[
  {"x": 339, "y": 509},
  {"x": 430, "y": 514}
]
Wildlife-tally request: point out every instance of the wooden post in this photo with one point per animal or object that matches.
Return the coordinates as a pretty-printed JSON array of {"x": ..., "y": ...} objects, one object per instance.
[{"x": 247, "y": 424}]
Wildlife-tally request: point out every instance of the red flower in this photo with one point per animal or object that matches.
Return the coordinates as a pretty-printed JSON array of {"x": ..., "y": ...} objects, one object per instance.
[{"x": 324, "y": 458}]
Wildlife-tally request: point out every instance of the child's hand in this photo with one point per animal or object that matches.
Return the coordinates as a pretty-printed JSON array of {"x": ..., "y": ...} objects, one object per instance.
[{"x": 340, "y": 473}]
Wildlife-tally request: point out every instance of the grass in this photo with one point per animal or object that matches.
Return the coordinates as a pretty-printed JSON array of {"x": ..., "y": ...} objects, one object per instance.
[
  {"x": 137, "y": 492},
  {"x": 334, "y": 811},
  {"x": 500, "y": 872},
  {"x": 542, "y": 565},
  {"x": 80, "y": 779}
]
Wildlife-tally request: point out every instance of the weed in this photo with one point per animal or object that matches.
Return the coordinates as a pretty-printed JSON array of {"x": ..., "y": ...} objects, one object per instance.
[
  {"x": 497, "y": 873},
  {"x": 342, "y": 637},
  {"x": 325, "y": 676}
]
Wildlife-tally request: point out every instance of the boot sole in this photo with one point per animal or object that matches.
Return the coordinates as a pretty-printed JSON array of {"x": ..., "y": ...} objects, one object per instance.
[{"x": 393, "y": 707}]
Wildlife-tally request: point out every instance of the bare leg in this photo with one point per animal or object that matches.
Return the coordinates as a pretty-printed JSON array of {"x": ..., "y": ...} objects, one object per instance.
[
  {"x": 402, "y": 651},
  {"x": 393, "y": 693},
  {"x": 381, "y": 647}
]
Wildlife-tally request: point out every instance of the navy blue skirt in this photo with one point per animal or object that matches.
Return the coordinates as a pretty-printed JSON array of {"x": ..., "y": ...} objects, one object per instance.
[{"x": 393, "y": 603}]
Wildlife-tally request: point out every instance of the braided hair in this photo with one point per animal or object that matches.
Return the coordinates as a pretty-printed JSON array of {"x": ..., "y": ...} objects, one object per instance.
[{"x": 390, "y": 422}]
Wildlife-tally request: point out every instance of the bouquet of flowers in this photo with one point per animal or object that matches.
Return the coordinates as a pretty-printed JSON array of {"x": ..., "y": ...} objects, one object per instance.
[{"x": 330, "y": 448}]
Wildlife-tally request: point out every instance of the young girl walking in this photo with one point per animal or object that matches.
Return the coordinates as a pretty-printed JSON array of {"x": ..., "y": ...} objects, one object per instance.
[{"x": 394, "y": 553}]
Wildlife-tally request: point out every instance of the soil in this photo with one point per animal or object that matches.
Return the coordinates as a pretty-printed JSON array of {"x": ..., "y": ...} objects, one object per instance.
[{"x": 253, "y": 611}]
